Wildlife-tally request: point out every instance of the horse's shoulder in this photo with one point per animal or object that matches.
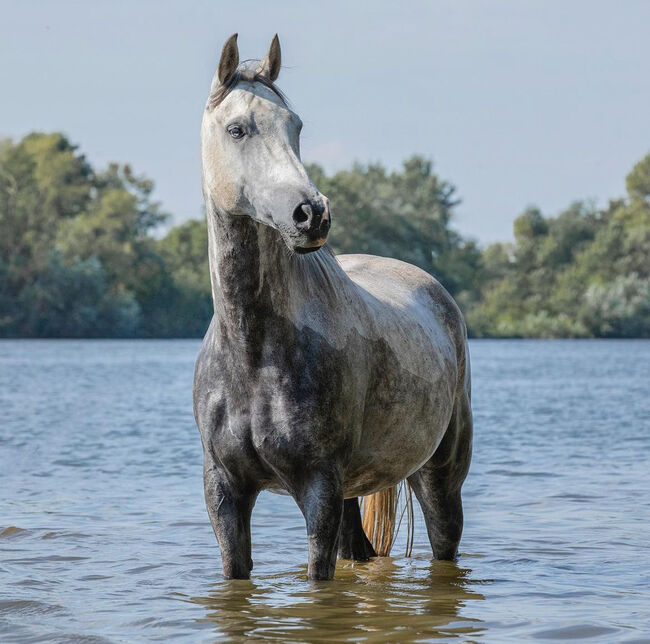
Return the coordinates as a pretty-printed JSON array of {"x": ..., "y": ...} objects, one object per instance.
[{"x": 206, "y": 365}]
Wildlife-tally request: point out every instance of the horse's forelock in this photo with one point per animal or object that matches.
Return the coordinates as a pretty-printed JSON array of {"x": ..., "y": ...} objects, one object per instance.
[{"x": 248, "y": 75}]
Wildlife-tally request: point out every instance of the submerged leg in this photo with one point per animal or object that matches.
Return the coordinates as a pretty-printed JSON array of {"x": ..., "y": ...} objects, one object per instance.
[
  {"x": 438, "y": 482},
  {"x": 353, "y": 542},
  {"x": 229, "y": 508},
  {"x": 321, "y": 501}
]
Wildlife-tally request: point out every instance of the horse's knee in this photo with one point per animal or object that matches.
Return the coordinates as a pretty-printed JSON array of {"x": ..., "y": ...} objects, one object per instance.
[
  {"x": 229, "y": 508},
  {"x": 321, "y": 501}
]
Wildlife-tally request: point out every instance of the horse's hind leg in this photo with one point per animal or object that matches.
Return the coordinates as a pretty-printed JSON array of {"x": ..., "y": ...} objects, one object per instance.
[
  {"x": 353, "y": 542},
  {"x": 229, "y": 508},
  {"x": 438, "y": 482}
]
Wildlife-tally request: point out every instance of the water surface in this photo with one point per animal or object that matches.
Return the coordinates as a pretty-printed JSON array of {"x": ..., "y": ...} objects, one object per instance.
[{"x": 104, "y": 535}]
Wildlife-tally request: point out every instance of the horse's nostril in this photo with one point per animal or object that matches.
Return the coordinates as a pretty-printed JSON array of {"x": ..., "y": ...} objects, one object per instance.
[
  {"x": 302, "y": 213},
  {"x": 324, "y": 226}
]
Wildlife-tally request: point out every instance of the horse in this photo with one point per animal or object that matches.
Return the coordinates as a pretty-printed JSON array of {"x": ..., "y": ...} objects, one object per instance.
[{"x": 324, "y": 377}]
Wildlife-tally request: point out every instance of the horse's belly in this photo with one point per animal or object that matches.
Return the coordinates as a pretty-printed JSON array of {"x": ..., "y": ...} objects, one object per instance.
[
  {"x": 373, "y": 469},
  {"x": 404, "y": 423}
]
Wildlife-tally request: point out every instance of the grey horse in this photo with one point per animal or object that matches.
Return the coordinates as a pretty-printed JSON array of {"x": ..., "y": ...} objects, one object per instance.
[{"x": 326, "y": 378}]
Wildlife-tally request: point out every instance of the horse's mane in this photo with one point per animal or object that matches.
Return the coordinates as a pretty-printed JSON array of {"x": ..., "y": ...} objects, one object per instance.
[{"x": 247, "y": 72}]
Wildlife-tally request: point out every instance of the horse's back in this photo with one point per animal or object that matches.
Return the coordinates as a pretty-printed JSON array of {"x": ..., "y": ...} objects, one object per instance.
[{"x": 385, "y": 281}]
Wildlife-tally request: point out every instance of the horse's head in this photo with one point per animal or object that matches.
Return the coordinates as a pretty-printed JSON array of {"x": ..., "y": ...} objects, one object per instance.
[{"x": 250, "y": 148}]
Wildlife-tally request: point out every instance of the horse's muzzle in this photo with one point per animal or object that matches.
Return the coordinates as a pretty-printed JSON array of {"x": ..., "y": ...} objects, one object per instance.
[
  {"x": 312, "y": 218},
  {"x": 312, "y": 222}
]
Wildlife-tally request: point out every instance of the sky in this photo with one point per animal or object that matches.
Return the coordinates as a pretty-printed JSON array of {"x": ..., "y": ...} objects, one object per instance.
[{"x": 518, "y": 103}]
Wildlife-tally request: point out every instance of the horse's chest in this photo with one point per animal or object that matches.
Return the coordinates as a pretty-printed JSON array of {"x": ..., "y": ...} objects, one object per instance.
[
  {"x": 306, "y": 404},
  {"x": 299, "y": 401}
]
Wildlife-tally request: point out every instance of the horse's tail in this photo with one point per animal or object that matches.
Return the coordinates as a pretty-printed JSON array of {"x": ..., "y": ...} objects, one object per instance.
[{"x": 379, "y": 517}]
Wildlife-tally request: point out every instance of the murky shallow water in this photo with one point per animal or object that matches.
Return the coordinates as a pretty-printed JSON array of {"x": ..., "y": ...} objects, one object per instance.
[{"x": 104, "y": 535}]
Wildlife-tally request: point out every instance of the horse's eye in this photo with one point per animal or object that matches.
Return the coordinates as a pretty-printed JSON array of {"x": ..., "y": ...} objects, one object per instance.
[{"x": 236, "y": 131}]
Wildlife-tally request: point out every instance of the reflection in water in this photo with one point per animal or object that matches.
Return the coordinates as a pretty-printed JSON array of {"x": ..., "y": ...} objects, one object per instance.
[{"x": 383, "y": 600}]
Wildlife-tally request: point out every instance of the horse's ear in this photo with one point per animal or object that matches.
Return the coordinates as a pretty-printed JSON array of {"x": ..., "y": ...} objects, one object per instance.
[
  {"x": 229, "y": 59},
  {"x": 270, "y": 66}
]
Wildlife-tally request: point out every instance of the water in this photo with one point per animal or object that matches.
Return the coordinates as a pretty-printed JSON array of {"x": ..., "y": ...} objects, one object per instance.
[{"x": 104, "y": 535}]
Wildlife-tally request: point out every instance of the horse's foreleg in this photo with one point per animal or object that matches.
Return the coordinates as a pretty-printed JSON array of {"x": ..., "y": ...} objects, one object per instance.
[
  {"x": 353, "y": 542},
  {"x": 320, "y": 499},
  {"x": 438, "y": 482},
  {"x": 229, "y": 508}
]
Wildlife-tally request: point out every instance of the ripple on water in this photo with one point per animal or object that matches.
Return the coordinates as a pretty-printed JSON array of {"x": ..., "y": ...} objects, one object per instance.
[
  {"x": 12, "y": 532},
  {"x": 24, "y": 607},
  {"x": 575, "y": 631}
]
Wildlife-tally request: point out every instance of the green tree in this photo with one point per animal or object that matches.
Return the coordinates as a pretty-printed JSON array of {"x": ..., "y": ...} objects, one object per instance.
[
  {"x": 43, "y": 181},
  {"x": 583, "y": 273},
  {"x": 185, "y": 251},
  {"x": 78, "y": 255}
]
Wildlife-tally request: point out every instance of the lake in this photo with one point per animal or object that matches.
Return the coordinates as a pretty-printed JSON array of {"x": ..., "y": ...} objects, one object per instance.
[{"x": 104, "y": 535}]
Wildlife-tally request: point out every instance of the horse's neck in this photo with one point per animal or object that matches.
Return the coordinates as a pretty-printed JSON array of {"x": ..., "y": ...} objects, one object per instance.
[{"x": 254, "y": 275}]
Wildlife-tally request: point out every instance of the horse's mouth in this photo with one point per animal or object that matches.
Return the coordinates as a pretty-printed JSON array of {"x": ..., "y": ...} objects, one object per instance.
[
  {"x": 305, "y": 250},
  {"x": 311, "y": 245}
]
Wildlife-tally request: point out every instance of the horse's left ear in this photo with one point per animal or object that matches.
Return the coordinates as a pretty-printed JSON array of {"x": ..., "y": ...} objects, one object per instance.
[{"x": 270, "y": 66}]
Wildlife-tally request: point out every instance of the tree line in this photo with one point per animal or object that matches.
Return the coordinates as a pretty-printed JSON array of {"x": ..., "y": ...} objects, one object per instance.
[{"x": 79, "y": 256}]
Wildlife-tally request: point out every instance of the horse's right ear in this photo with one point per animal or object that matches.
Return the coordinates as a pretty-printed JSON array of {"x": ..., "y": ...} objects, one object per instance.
[{"x": 229, "y": 59}]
